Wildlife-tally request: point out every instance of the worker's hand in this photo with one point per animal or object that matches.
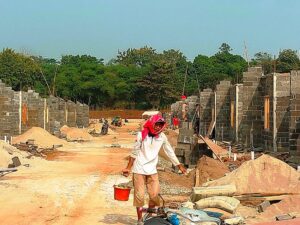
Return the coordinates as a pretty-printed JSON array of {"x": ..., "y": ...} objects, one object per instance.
[
  {"x": 125, "y": 172},
  {"x": 182, "y": 169}
]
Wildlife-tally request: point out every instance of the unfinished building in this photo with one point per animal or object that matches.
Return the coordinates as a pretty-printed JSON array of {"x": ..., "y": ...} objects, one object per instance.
[
  {"x": 22, "y": 110},
  {"x": 261, "y": 113}
]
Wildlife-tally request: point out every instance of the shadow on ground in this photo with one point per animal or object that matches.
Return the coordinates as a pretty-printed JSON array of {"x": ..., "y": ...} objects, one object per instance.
[{"x": 118, "y": 218}]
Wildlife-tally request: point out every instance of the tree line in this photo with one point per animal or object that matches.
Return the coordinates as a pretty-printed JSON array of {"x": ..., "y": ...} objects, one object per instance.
[{"x": 136, "y": 78}]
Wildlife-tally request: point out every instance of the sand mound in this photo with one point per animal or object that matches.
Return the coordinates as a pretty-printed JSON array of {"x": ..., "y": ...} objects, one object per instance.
[
  {"x": 41, "y": 138},
  {"x": 5, "y": 157},
  {"x": 265, "y": 175},
  {"x": 176, "y": 179},
  {"x": 210, "y": 169},
  {"x": 75, "y": 134},
  {"x": 7, "y": 152}
]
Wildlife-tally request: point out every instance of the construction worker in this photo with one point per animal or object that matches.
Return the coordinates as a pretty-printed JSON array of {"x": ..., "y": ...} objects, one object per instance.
[{"x": 143, "y": 161}]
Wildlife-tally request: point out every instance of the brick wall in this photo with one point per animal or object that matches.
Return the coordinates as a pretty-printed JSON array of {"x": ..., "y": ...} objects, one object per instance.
[
  {"x": 252, "y": 121},
  {"x": 22, "y": 110},
  {"x": 207, "y": 101},
  {"x": 223, "y": 111}
]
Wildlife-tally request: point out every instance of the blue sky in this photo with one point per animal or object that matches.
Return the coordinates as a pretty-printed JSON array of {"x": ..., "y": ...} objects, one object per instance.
[{"x": 102, "y": 27}]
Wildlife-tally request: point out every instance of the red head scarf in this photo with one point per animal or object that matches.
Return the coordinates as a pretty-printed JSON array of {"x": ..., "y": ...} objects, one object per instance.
[{"x": 149, "y": 126}]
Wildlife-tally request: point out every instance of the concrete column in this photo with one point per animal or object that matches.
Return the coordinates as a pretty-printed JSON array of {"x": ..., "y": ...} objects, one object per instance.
[
  {"x": 274, "y": 113},
  {"x": 45, "y": 111},
  {"x": 20, "y": 112},
  {"x": 236, "y": 112}
]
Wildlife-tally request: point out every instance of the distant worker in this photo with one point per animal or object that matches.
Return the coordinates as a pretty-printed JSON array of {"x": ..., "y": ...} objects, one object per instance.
[
  {"x": 104, "y": 129},
  {"x": 143, "y": 161},
  {"x": 175, "y": 122},
  {"x": 184, "y": 111}
]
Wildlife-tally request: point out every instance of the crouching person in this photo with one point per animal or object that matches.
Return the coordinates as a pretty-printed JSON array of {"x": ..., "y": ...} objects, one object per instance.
[{"x": 143, "y": 162}]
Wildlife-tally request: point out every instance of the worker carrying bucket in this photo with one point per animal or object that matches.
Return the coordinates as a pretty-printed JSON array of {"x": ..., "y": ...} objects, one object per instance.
[{"x": 143, "y": 161}]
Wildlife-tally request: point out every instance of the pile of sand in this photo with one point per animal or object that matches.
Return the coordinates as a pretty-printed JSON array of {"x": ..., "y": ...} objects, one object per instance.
[
  {"x": 75, "y": 134},
  {"x": 5, "y": 157},
  {"x": 210, "y": 169},
  {"x": 7, "y": 152},
  {"x": 265, "y": 175},
  {"x": 41, "y": 137},
  {"x": 177, "y": 180}
]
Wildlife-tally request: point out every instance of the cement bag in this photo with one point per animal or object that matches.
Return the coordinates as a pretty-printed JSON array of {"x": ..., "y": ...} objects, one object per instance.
[
  {"x": 205, "y": 192},
  {"x": 225, "y": 203}
]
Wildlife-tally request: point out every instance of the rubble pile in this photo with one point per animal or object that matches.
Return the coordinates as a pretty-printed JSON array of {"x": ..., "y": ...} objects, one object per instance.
[
  {"x": 42, "y": 138},
  {"x": 75, "y": 134},
  {"x": 265, "y": 181}
]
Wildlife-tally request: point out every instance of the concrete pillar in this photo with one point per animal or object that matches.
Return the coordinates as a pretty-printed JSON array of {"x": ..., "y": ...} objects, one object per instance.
[
  {"x": 274, "y": 113},
  {"x": 20, "y": 112}
]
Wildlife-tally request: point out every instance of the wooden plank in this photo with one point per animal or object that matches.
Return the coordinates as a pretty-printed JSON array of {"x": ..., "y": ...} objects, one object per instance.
[
  {"x": 211, "y": 128},
  {"x": 197, "y": 178}
]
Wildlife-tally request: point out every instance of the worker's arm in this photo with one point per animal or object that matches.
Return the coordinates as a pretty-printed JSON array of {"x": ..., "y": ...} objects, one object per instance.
[
  {"x": 171, "y": 154},
  {"x": 133, "y": 155}
]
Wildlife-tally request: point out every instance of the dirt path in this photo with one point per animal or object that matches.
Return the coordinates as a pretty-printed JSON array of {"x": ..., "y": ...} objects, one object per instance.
[{"x": 73, "y": 188}]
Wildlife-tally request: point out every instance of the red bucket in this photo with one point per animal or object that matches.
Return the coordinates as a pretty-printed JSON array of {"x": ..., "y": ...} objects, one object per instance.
[{"x": 121, "y": 193}]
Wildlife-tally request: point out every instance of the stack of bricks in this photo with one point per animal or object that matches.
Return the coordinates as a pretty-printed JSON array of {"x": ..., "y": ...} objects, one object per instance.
[
  {"x": 223, "y": 111},
  {"x": 187, "y": 146},
  {"x": 206, "y": 110},
  {"x": 252, "y": 121}
]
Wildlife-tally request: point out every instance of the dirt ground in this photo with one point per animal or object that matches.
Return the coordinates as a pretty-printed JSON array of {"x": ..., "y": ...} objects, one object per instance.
[{"x": 74, "y": 186}]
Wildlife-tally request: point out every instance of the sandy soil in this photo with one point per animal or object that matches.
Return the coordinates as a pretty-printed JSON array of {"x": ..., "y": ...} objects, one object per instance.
[{"x": 74, "y": 186}]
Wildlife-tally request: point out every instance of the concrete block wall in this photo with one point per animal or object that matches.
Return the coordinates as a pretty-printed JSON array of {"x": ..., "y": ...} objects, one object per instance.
[
  {"x": 294, "y": 125},
  {"x": 207, "y": 99},
  {"x": 252, "y": 124},
  {"x": 19, "y": 111},
  {"x": 283, "y": 93},
  {"x": 71, "y": 114},
  {"x": 268, "y": 92},
  {"x": 223, "y": 111},
  {"x": 82, "y": 118},
  {"x": 9, "y": 115}
]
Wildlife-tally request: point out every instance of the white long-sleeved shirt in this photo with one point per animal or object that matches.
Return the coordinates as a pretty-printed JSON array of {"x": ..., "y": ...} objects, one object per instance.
[{"x": 146, "y": 153}]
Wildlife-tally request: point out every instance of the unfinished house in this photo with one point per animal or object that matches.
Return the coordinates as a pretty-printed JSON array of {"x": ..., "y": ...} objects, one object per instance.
[
  {"x": 22, "y": 110},
  {"x": 261, "y": 113}
]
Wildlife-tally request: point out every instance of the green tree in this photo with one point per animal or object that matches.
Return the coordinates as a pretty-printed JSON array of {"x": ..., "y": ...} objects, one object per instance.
[
  {"x": 19, "y": 71},
  {"x": 138, "y": 57},
  {"x": 225, "y": 48},
  {"x": 287, "y": 60},
  {"x": 264, "y": 60}
]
